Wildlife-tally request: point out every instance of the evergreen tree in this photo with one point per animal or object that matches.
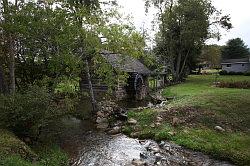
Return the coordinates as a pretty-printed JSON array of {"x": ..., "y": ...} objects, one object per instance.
[{"x": 235, "y": 49}]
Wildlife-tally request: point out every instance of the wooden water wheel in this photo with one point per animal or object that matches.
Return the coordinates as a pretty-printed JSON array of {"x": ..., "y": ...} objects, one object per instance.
[{"x": 139, "y": 87}]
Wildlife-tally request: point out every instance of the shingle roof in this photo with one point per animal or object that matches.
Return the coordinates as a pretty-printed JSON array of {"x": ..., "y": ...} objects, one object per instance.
[
  {"x": 125, "y": 63},
  {"x": 242, "y": 60}
]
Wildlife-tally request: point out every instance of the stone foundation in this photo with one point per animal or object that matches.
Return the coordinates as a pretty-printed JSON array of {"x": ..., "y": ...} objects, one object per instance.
[{"x": 108, "y": 113}]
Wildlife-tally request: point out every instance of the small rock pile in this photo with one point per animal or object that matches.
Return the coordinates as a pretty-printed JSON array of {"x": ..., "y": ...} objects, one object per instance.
[
  {"x": 157, "y": 97},
  {"x": 108, "y": 111},
  {"x": 169, "y": 154}
]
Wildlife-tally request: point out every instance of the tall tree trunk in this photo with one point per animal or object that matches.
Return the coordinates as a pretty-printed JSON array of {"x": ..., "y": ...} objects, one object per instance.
[
  {"x": 10, "y": 46},
  {"x": 85, "y": 60},
  {"x": 91, "y": 91},
  {"x": 178, "y": 66},
  {"x": 2, "y": 81},
  {"x": 12, "y": 68},
  {"x": 184, "y": 63}
]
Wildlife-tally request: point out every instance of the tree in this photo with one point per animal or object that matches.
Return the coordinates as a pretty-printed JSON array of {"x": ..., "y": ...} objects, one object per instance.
[
  {"x": 211, "y": 54},
  {"x": 2, "y": 81},
  {"x": 63, "y": 42},
  {"x": 96, "y": 23},
  {"x": 9, "y": 40},
  {"x": 184, "y": 27},
  {"x": 122, "y": 39},
  {"x": 43, "y": 44},
  {"x": 235, "y": 49},
  {"x": 84, "y": 16}
]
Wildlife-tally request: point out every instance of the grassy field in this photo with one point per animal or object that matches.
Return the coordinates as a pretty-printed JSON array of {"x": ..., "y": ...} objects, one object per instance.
[{"x": 190, "y": 119}]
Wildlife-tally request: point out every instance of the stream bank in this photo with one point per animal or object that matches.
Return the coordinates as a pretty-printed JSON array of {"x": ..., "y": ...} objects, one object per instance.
[
  {"x": 88, "y": 146},
  {"x": 101, "y": 143}
]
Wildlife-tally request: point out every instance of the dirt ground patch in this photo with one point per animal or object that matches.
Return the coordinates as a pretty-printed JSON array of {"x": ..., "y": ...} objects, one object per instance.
[{"x": 193, "y": 117}]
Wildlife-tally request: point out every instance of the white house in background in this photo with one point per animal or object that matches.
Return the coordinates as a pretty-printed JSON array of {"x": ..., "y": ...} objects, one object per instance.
[{"x": 236, "y": 65}]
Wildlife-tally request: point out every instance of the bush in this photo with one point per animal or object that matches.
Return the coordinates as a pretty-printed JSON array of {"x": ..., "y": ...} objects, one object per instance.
[
  {"x": 223, "y": 72},
  {"x": 247, "y": 74},
  {"x": 68, "y": 86},
  {"x": 235, "y": 73},
  {"x": 27, "y": 113},
  {"x": 238, "y": 84}
]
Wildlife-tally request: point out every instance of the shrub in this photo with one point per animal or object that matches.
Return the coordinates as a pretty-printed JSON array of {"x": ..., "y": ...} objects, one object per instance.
[
  {"x": 247, "y": 74},
  {"x": 27, "y": 113},
  {"x": 68, "y": 86},
  {"x": 223, "y": 72},
  {"x": 238, "y": 84},
  {"x": 235, "y": 73}
]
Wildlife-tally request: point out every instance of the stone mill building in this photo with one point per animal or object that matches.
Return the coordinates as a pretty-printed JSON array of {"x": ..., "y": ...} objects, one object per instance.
[{"x": 137, "y": 85}]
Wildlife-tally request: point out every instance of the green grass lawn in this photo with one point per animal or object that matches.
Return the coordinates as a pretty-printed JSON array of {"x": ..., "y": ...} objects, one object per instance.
[
  {"x": 230, "y": 104},
  {"x": 198, "y": 107}
]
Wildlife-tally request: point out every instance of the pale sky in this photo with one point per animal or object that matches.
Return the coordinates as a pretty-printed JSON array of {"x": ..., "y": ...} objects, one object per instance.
[{"x": 239, "y": 11}]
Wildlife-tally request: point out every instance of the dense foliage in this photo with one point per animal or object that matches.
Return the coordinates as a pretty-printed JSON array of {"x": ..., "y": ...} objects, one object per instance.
[
  {"x": 223, "y": 72},
  {"x": 211, "y": 54},
  {"x": 235, "y": 49},
  {"x": 236, "y": 84},
  {"x": 28, "y": 112},
  {"x": 52, "y": 41}
]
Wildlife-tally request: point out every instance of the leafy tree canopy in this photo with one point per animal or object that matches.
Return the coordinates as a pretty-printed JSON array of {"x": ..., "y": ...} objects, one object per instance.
[
  {"x": 235, "y": 49},
  {"x": 53, "y": 38},
  {"x": 211, "y": 54}
]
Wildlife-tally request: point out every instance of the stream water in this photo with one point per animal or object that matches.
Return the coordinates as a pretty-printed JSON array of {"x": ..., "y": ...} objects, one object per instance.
[{"x": 89, "y": 147}]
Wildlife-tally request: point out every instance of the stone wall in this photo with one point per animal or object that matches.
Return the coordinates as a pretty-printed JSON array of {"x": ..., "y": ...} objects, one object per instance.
[
  {"x": 120, "y": 92},
  {"x": 108, "y": 111}
]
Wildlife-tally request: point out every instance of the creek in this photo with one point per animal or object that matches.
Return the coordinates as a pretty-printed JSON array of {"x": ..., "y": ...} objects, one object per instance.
[{"x": 87, "y": 146}]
